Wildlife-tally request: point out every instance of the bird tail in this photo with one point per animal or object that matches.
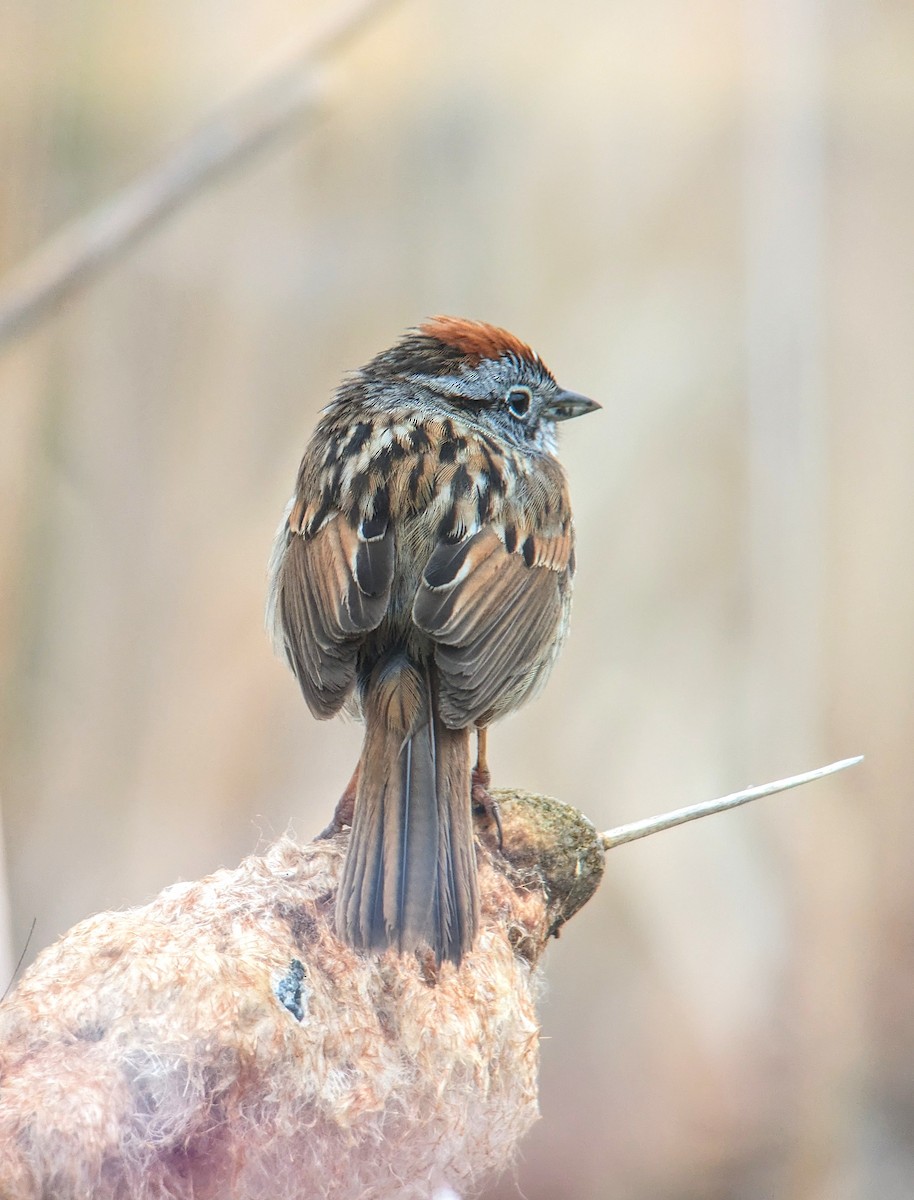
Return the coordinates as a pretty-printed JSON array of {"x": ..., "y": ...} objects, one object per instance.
[{"x": 409, "y": 879}]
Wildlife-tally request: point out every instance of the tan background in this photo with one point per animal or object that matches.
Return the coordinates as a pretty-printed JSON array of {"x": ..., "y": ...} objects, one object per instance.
[{"x": 700, "y": 212}]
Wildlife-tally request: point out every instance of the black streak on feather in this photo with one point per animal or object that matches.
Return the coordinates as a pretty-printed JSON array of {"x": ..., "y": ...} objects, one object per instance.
[
  {"x": 374, "y": 565},
  {"x": 384, "y": 459},
  {"x": 416, "y": 476},
  {"x": 320, "y": 516},
  {"x": 462, "y": 483},
  {"x": 496, "y": 479},
  {"x": 483, "y": 504},
  {"x": 333, "y": 449},
  {"x": 375, "y": 526},
  {"x": 445, "y": 564},
  {"x": 419, "y": 440},
  {"x": 446, "y": 531},
  {"x": 360, "y": 435}
]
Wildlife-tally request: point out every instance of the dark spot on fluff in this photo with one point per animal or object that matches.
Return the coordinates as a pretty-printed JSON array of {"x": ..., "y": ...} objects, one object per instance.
[
  {"x": 510, "y": 538},
  {"x": 301, "y": 922},
  {"x": 448, "y": 451},
  {"x": 289, "y": 989},
  {"x": 91, "y": 1031},
  {"x": 529, "y": 551}
]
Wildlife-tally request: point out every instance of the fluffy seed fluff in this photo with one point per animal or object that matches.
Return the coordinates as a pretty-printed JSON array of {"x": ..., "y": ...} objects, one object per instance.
[{"x": 221, "y": 1041}]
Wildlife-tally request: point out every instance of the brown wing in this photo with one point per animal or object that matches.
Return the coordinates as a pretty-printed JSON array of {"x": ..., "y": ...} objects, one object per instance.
[
  {"x": 498, "y": 617},
  {"x": 331, "y": 588}
]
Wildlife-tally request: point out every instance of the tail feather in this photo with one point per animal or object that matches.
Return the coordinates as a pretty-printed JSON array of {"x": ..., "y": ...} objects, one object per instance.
[
  {"x": 458, "y": 903},
  {"x": 410, "y": 874}
]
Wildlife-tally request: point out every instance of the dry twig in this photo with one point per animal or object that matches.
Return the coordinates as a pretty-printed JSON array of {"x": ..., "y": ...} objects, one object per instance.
[{"x": 639, "y": 829}]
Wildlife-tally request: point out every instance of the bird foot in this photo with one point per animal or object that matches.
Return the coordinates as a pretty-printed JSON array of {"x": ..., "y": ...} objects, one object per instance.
[
  {"x": 484, "y": 802},
  {"x": 344, "y": 811}
]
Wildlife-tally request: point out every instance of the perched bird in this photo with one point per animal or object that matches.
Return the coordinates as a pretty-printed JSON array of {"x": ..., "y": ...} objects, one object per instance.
[{"x": 421, "y": 577}]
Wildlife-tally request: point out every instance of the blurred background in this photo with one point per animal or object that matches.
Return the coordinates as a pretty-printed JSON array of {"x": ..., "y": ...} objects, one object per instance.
[{"x": 700, "y": 213}]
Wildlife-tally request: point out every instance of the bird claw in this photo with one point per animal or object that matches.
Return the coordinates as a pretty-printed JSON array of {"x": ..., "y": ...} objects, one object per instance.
[
  {"x": 484, "y": 802},
  {"x": 344, "y": 811}
]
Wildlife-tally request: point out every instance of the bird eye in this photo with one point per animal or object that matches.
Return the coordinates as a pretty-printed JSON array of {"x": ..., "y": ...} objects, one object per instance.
[{"x": 518, "y": 401}]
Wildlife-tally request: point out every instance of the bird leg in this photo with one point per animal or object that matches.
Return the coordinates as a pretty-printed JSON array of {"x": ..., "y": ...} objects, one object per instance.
[
  {"x": 345, "y": 807},
  {"x": 482, "y": 799}
]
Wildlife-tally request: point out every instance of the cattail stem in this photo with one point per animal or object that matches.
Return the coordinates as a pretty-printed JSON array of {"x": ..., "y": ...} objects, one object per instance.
[{"x": 678, "y": 816}]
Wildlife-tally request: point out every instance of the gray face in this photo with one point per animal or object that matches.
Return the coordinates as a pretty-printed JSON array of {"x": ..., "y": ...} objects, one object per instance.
[
  {"x": 509, "y": 394},
  {"x": 509, "y": 397}
]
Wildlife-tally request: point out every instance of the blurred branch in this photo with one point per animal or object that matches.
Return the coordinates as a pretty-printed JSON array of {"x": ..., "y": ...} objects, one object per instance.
[
  {"x": 639, "y": 829},
  {"x": 81, "y": 250}
]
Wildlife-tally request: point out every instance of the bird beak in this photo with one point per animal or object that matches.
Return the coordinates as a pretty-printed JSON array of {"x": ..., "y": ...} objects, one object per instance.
[{"x": 565, "y": 405}]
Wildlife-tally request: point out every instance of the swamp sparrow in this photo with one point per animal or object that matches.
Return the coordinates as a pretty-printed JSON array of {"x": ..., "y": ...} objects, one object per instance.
[{"x": 421, "y": 577}]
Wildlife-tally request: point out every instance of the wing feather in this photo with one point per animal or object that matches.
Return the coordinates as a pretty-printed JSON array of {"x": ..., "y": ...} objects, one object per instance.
[
  {"x": 497, "y": 617},
  {"x": 331, "y": 588}
]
